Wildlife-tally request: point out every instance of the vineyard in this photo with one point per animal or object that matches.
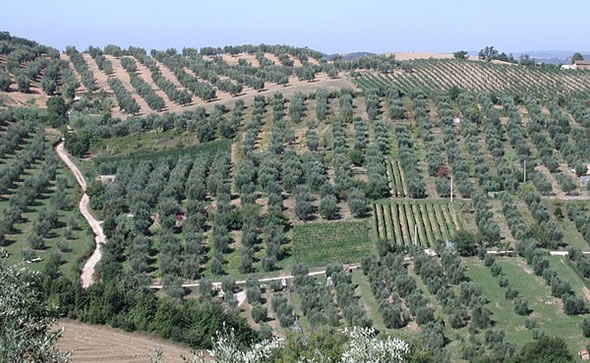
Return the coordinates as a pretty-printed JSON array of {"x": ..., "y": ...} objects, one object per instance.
[
  {"x": 442, "y": 74},
  {"x": 422, "y": 223},
  {"x": 395, "y": 179}
]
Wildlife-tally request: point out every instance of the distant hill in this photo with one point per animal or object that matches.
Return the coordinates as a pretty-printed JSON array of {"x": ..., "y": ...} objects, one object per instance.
[
  {"x": 349, "y": 56},
  {"x": 546, "y": 56}
]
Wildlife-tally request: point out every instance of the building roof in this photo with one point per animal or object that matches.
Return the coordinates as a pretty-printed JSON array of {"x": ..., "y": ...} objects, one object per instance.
[{"x": 582, "y": 62}]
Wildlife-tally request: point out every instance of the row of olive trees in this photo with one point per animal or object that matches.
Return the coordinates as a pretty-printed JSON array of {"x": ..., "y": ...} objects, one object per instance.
[
  {"x": 203, "y": 90},
  {"x": 126, "y": 102},
  {"x": 548, "y": 233},
  {"x": 175, "y": 94},
  {"x": 317, "y": 303},
  {"x": 536, "y": 258},
  {"x": 353, "y": 312},
  {"x": 409, "y": 162},
  {"x": 460, "y": 168},
  {"x": 14, "y": 134},
  {"x": 25, "y": 195},
  {"x": 390, "y": 283},
  {"x": 345, "y": 187},
  {"x": 521, "y": 305},
  {"x": 146, "y": 91},
  {"x": 81, "y": 67}
]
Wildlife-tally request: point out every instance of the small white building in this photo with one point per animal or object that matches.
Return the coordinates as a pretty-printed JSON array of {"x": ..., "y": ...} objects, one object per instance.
[{"x": 106, "y": 179}]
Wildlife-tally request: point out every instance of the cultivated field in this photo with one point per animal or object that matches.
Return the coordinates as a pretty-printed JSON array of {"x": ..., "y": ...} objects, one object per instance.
[
  {"x": 319, "y": 244},
  {"x": 433, "y": 74},
  {"x": 407, "y": 223},
  {"x": 94, "y": 343}
]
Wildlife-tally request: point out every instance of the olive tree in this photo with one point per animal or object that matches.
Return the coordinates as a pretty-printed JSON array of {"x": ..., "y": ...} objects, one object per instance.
[{"x": 26, "y": 320}]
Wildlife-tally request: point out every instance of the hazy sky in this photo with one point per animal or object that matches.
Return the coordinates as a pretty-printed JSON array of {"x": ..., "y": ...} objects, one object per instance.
[{"x": 329, "y": 26}]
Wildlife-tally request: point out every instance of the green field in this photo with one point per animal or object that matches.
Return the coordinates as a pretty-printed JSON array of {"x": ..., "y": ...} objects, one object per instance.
[
  {"x": 571, "y": 236},
  {"x": 317, "y": 244},
  {"x": 210, "y": 147},
  {"x": 144, "y": 142},
  {"x": 547, "y": 311},
  {"x": 565, "y": 268}
]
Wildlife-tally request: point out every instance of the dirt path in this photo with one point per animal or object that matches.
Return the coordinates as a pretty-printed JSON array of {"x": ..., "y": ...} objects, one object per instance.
[{"x": 87, "y": 275}]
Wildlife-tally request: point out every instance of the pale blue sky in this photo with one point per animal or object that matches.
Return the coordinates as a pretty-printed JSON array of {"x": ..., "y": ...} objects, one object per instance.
[{"x": 329, "y": 26}]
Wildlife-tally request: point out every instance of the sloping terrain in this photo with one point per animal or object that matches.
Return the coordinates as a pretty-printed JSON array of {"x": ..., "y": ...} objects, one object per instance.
[{"x": 100, "y": 343}]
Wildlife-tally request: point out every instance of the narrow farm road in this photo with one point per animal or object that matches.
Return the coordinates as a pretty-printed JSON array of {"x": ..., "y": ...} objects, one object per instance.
[
  {"x": 87, "y": 275},
  {"x": 264, "y": 279}
]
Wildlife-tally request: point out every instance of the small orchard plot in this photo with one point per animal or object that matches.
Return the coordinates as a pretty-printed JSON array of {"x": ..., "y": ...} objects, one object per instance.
[
  {"x": 399, "y": 220},
  {"x": 318, "y": 244}
]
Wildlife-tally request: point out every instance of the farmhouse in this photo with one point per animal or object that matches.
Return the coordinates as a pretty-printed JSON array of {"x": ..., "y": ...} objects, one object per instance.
[
  {"x": 584, "y": 179},
  {"x": 582, "y": 64}
]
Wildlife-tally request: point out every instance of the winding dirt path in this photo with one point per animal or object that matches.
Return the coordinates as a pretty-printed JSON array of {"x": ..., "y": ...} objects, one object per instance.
[{"x": 87, "y": 275}]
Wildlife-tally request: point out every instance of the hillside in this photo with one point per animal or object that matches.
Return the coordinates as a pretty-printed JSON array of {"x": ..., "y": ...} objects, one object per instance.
[
  {"x": 442, "y": 74},
  {"x": 92, "y": 343},
  {"x": 439, "y": 200},
  {"x": 129, "y": 81},
  {"x": 133, "y": 82}
]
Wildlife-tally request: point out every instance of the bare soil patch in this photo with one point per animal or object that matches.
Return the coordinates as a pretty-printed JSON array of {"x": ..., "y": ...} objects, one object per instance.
[
  {"x": 101, "y": 343},
  {"x": 100, "y": 76}
]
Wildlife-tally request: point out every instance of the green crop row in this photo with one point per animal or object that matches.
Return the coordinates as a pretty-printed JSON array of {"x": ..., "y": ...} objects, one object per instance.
[{"x": 415, "y": 222}]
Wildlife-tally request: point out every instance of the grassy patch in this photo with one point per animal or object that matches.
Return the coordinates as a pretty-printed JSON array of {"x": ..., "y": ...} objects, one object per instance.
[
  {"x": 318, "y": 244},
  {"x": 502, "y": 309},
  {"x": 367, "y": 299},
  {"x": 571, "y": 236},
  {"x": 546, "y": 310},
  {"x": 565, "y": 270},
  {"x": 210, "y": 147},
  {"x": 149, "y": 141}
]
